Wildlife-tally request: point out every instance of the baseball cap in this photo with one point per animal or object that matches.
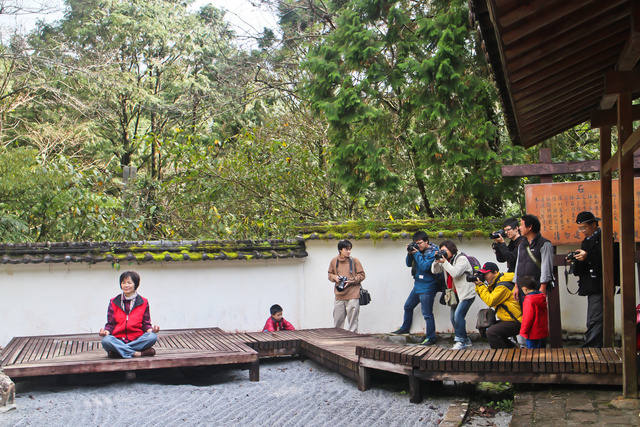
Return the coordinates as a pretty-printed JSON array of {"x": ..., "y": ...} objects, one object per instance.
[
  {"x": 586, "y": 216},
  {"x": 489, "y": 267}
]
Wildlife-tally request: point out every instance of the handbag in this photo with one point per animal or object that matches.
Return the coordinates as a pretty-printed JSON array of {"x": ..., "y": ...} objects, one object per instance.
[
  {"x": 486, "y": 319},
  {"x": 450, "y": 297},
  {"x": 365, "y": 296}
]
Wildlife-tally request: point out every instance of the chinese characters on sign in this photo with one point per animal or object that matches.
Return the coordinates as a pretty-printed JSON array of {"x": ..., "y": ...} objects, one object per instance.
[{"x": 558, "y": 204}]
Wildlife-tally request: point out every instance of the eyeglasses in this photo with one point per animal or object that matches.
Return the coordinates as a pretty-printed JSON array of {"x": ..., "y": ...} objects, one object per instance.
[{"x": 508, "y": 229}]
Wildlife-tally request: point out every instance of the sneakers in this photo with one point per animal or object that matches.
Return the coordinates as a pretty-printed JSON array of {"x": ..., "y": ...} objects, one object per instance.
[
  {"x": 459, "y": 346},
  {"x": 400, "y": 331},
  {"x": 427, "y": 341},
  {"x": 468, "y": 342}
]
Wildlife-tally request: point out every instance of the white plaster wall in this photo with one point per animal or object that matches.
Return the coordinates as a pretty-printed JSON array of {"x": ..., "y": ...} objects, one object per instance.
[
  {"x": 388, "y": 280},
  {"x": 65, "y": 299},
  {"x": 236, "y": 295}
]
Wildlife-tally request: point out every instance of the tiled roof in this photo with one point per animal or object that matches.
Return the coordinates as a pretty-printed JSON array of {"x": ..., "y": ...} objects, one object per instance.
[{"x": 149, "y": 251}]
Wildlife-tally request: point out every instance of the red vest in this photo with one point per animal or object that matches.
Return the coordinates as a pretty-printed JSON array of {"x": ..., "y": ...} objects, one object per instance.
[{"x": 129, "y": 327}]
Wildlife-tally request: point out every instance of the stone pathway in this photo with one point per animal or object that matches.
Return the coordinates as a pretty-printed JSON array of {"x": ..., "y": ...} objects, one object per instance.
[{"x": 571, "y": 406}]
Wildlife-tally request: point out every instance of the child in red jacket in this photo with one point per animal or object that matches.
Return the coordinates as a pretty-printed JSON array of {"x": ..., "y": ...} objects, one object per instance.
[
  {"x": 276, "y": 322},
  {"x": 535, "y": 321}
]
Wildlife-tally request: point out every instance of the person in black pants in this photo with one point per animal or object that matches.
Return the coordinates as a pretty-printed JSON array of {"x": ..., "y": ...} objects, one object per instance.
[{"x": 588, "y": 268}]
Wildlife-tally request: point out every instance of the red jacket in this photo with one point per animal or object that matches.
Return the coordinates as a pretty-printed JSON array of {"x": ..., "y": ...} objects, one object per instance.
[
  {"x": 273, "y": 326},
  {"x": 535, "y": 323},
  {"x": 128, "y": 327}
]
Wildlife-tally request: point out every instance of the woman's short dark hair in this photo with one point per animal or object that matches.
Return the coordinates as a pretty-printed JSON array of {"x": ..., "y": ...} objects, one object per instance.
[
  {"x": 344, "y": 244},
  {"x": 449, "y": 244},
  {"x": 135, "y": 278},
  {"x": 532, "y": 221}
]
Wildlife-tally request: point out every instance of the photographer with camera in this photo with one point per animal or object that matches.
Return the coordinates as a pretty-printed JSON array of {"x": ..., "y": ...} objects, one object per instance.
[
  {"x": 456, "y": 268},
  {"x": 495, "y": 289},
  {"x": 507, "y": 253},
  {"x": 346, "y": 273},
  {"x": 587, "y": 266},
  {"x": 420, "y": 256}
]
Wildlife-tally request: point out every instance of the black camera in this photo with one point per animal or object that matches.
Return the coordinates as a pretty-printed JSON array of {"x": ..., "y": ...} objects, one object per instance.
[
  {"x": 497, "y": 234},
  {"x": 412, "y": 246},
  {"x": 571, "y": 255},
  {"x": 572, "y": 261},
  {"x": 475, "y": 277},
  {"x": 342, "y": 284},
  {"x": 440, "y": 254}
]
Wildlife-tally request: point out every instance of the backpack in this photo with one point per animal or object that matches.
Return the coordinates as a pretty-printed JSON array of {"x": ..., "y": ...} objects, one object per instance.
[{"x": 475, "y": 264}]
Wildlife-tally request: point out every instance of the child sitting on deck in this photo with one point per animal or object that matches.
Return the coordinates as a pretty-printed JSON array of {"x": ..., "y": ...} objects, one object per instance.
[
  {"x": 535, "y": 321},
  {"x": 276, "y": 322},
  {"x": 128, "y": 332}
]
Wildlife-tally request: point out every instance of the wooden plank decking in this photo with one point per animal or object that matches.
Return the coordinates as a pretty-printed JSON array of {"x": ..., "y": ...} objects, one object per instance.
[
  {"x": 83, "y": 353},
  {"x": 352, "y": 355},
  {"x": 557, "y": 365}
]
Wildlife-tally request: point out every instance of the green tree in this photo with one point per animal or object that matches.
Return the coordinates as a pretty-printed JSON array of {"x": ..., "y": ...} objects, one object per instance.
[{"x": 410, "y": 106}]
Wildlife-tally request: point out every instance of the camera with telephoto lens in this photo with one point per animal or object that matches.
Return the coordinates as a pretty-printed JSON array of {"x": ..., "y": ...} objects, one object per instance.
[
  {"x": 475, "y": 277},
  {"x": 440, "y": 254},
  {"x": 497, "y": 234},
  {"x": 342, "y": 284},
  {"x": 412, "y": 246}
]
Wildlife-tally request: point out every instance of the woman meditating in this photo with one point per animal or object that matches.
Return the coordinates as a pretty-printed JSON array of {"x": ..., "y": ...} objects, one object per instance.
[{"x": 128, "y": 332}]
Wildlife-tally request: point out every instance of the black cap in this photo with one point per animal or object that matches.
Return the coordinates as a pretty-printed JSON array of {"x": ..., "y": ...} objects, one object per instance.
[
  {"x": 489, "y": 267},
  {"x": 586, "y": 216}
]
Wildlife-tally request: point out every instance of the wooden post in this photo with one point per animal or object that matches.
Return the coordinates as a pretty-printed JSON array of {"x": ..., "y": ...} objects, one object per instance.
[
  {"x": 606, "y": 212},
  {"x": 364, "y": 377},
  {"x": 555, "y": 317},
  {"x": 254, "y": 371},
  {"x": 627, "y": 250},
  {"x": 415, "y": 391}
]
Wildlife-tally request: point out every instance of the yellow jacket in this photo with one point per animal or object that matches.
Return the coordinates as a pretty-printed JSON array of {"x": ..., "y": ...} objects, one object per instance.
[{"x": 499, "y": 292}]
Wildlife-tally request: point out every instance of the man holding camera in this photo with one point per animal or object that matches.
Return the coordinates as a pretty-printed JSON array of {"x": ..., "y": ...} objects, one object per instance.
[
  {"x": 346, "y": 273},
  {"x": 587, "y": 265},
  {"x": 535, "y": 256},
  {"x": 495, "y": 289},
  {"x": 420, "y": 257},
  {"x": 507, "y": 253}
]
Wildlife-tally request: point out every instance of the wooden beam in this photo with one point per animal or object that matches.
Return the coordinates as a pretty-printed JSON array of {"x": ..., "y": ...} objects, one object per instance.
[
  {"x": 609, "y": 117},
  {"x": 621, "y": 81},
  {"x": 627, "y": 250},
  {"x": 629, "y": 55},
  {"x": 551, "y": 168},
  {"x": 632, "y": 143},
  {"x": 606, "y": 226},
  {"x": 631, "y": 51}
]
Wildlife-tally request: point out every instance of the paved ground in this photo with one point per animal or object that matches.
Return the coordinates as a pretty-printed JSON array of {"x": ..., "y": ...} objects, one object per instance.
[{"x": 571, "y": 406}]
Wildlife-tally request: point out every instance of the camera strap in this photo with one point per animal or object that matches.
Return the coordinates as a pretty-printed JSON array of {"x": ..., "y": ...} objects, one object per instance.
[
  {"x": 566, "y": 279},
  {"x": 350, "y": 265}
]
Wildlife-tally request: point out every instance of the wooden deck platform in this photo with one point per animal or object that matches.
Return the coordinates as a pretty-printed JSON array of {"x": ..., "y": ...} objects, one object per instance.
[
  {"x": 83, "y": 353},
  {"x": 550, "y": 365},
  {"x": 352, "y": 355}
]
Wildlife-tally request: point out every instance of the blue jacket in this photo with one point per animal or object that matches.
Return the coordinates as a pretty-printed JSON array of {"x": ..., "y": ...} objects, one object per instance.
[{"x": 424, "y": 282}]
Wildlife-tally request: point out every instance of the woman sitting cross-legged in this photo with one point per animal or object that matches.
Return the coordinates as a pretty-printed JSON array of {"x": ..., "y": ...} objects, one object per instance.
[{"x": 128, "y": 332}]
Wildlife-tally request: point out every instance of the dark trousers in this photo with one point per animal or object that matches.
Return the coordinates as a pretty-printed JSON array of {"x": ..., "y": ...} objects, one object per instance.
[
  {"x": 498, "y": 335},
  {"x": 593, "y": 336}
]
